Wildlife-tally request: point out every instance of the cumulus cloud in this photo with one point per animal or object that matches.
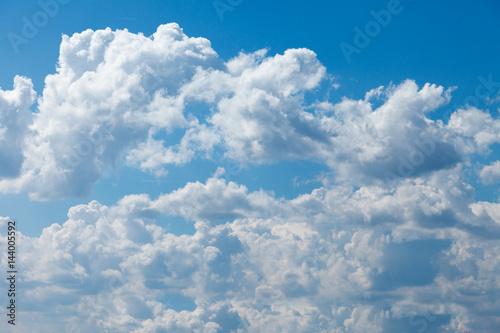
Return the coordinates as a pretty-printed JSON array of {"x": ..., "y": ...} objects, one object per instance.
[
  {"x": 111, "y": 91},
  {"x": 396, "y": 242},
  {"x": 15, "y": 119},
  {"x": 476, "y": 124},
  {"x": 120, "y": 98},
  {"x": 334, "y": 260},
  {"x": 117, "y": 94},
  {"x": 396, "y": 140},
  {"x": 490, "y": 174}
]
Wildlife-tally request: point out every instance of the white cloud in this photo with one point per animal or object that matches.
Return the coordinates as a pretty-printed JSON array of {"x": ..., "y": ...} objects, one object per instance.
[
  {"x": 111, "y": 90},
  {"x": 150, "y": 102},
  {"x": 476, "y": 124},
  {"x": 115, "y": 93},
  {"x": 490, "y": 173},
  {"x": 15, "y": 118},
  {"x": 367, "y": 253},
  {"x": 396, "y": 140},
  {"x": 256, "y": 263}
]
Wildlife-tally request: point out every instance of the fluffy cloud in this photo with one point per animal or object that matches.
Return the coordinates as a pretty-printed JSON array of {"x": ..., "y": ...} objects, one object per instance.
[
  {"x": 490, "y": 173},
  {"x": 395, "y": 243},
  {"x": 476, "y": 124},
  {"x": 334, "y": 260},
  {"x": 121, "y": 95},
  {"x": 15, "y": 118},
  {"x": 109, "y": 93},
  {"x": 122, "y": 98},
  {"x": 396, "y": 140}
]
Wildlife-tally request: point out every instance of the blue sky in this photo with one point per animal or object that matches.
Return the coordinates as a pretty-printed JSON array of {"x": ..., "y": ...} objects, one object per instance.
[
  {"x": 425, "y": 41},
  {"x": 261, "y": 134}
]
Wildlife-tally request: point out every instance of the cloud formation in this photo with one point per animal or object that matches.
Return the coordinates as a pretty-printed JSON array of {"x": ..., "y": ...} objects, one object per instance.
[
  {"x": 333, "y": 260},
  {"x": 396, "y": 242},
  {"x": 120, "y": 98},
  {"x": 490, "y": 174},
  {"x": 15, "y": 119}
]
